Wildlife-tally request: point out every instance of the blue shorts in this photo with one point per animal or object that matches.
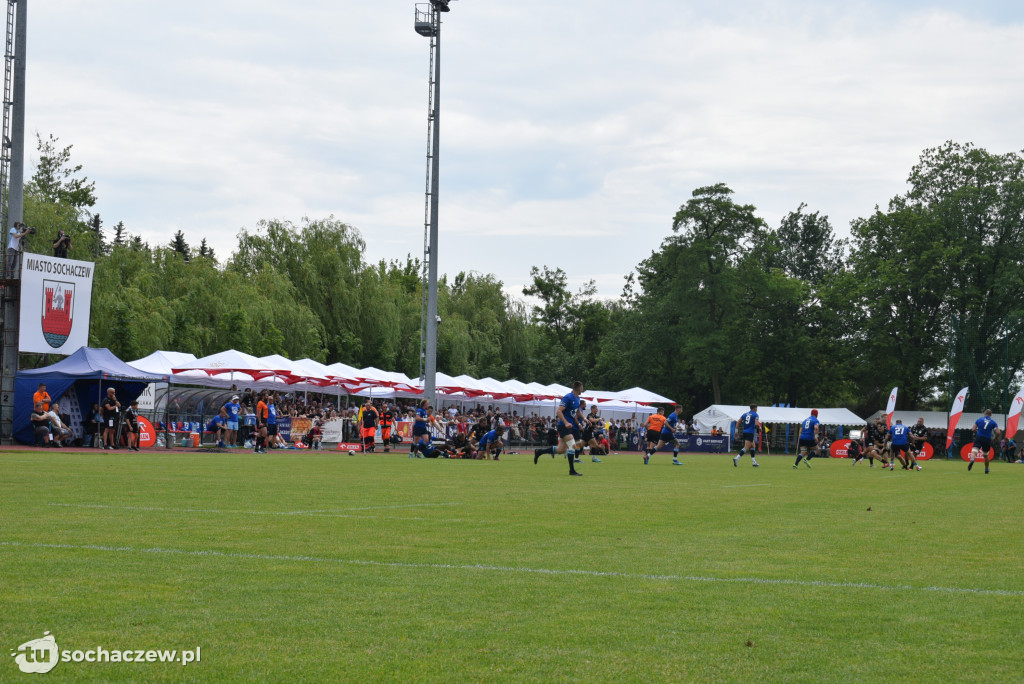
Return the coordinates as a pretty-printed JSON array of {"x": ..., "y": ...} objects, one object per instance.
[
  {"x": 983, "y": 443},
  {"x": 232, "y": 425}
]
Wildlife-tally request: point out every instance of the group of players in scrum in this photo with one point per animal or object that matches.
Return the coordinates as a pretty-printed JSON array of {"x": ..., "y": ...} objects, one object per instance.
[{"x": 897, "y": 443}]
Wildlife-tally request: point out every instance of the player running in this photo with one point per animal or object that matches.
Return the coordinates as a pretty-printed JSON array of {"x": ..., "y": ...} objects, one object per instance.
[
  {"x": 566, "y": 421},
  {"x": 421, "y": 431},
  {"x": 592, "y": 429},
  {"x": 900, "y": 435},
  {"x": 918, "y": 438},
  {"x": 808, "y": 443},
  {"x": 874, "y": 438},
  {"x": 985, "y": 430},
  {"x": 667, "y": 435},
  {"x": 750, "y": 424}
]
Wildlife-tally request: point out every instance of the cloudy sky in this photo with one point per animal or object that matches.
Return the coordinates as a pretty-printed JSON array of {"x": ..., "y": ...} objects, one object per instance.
[{"x": 571, "y": 131}]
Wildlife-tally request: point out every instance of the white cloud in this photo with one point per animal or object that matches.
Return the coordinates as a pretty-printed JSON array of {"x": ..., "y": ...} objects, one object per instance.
[{"x": 571, "y": 132}]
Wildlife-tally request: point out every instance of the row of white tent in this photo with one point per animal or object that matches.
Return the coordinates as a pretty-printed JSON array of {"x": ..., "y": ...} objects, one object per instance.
[{"x": 234, "y": 368}]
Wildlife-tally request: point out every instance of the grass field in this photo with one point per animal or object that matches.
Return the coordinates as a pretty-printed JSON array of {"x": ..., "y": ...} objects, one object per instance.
[{"x": 329, "y": 567}]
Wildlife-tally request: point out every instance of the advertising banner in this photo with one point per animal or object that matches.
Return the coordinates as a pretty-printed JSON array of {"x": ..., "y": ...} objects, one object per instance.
[
  {"x": 147, "y": 435},
  {"x": 56, "y": 300}
]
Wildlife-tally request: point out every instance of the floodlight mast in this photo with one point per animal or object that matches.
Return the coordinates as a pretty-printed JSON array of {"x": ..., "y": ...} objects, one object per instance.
[{"x": 428, "y": 24}]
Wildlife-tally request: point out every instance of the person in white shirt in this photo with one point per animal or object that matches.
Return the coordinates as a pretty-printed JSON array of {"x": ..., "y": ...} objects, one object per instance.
[
  {"x": 17, "y": 232},
  {"x": 61, "y": 432}
]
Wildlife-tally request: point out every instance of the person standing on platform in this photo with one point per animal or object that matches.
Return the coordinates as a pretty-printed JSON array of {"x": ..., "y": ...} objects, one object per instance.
[{"x": 17, "y": 232}]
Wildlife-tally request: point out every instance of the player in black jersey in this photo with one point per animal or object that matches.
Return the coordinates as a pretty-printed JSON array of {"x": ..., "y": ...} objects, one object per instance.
[{"x": 918, "y": 438}]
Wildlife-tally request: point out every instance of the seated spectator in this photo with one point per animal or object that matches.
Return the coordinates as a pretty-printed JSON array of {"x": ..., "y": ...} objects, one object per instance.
[
  {"x": 40, "y": 425},
  {"x": 59, "y": 432},
  {"x": 219, "y": 425}
]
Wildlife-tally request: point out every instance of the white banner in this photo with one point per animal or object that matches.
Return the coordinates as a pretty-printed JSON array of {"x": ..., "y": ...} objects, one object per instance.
[
  {"x": 56, "y": 300},
  {"x": 890, "y": 407},
  {"x": 1014, "y": 416},
  {"x": 954, "y": 414}
]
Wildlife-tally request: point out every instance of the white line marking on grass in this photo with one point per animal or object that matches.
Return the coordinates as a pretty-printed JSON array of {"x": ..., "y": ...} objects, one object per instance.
[
  {"x": 768, "y": 484},
  {"x": 511, "y": 569},
  {"x": 373, "y": 508},
  {"x": 214, "y": 511}
]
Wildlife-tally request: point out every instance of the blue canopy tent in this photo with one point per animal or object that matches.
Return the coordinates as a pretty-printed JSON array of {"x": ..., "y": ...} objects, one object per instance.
[{"x": 86, "y": 373}]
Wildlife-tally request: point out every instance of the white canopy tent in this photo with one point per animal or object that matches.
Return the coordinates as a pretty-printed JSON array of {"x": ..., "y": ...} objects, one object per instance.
[
  {"x": 723, "y": 416},
  {"x": 162, "y": 363}
]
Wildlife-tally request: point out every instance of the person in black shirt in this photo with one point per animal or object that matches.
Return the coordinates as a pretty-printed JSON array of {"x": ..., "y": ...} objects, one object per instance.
[
  {"x": 918, "y": 437},
  {"x": 131, "y": 426},
  {"x": 111, "y": 407},
  {"x": 61, "y": 245},
  {"x": 40, "y": 425}
]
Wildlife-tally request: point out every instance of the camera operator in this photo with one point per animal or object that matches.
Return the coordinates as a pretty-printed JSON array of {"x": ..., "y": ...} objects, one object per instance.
[
  {"x": 17, "y": 232},
  {"x": 61, "y": 245}
]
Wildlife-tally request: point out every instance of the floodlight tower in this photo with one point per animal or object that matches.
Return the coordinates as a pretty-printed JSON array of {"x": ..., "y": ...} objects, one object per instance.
[
  {"x": 428, "y": 24},
  {"x": 12, "y": 176}
]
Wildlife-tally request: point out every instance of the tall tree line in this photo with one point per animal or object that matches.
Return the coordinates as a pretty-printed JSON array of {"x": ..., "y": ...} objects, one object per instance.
[{"x": 727, "y": 309}]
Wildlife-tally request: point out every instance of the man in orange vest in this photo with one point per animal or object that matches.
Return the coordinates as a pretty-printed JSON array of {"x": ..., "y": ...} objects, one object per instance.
[{"x": 43, "y": 396}]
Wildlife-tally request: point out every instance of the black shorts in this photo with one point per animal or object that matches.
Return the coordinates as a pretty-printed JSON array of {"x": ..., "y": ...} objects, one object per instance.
[
  {"x": 588, "y": 435},
  {"x": 897, "y": 449},
  {"x": 271, "y": 429},
  {"x": 749, "y": 437},
  {"x": 983, "y": 443},
  {"x": 565, "y": 431},
  {"x": 809, "y": 444},
  {"x": 853, "y": 450},
  {"x": 667, "y": 437},
  {"x": 418, "y": 430}
]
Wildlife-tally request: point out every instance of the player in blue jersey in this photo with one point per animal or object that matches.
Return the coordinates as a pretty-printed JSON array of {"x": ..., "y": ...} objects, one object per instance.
[
  {"x": 807, "y": 446},
  {"x": 985, "y": 430},
  {"x": 667, "y": 435},
  {"x": 233, "y": 409},
  {"x": 491, "y": 443},
  {"x": 749, "y": 424},
  {"x": 272, "y": 435},
  {"x": 218, "y": 426},
  {"x": 900, "y": 435},
  {"x": 421, "y": 431},
  {"x": 566, "y": 423}
]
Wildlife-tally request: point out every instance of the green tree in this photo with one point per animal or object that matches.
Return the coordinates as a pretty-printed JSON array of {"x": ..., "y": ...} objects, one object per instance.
[{"x": 945, "y": 255}]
